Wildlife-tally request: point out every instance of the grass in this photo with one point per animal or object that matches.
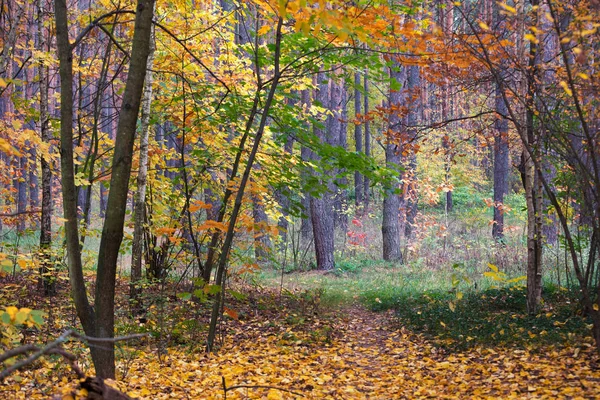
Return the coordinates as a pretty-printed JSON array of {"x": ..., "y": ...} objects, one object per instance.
[
  {"x": 426, "y": 301},
  {"x": 495, "y": 316}
]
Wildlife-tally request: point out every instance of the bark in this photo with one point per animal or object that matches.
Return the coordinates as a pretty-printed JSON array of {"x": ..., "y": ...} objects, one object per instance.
[
  {"x": 100, "y": 323},
  {"x": 366, "y": 181},
  {"x": 533, "y": 188},
  {"x": 112, "y": 231},
  {"x": 358, "y": 141},
  {"x": 390, "y": 227},
  {"x": 322, "y": 208},
  {"x": 140, "y": 193},
  {"x": 69, "y": 191},
  {"x": 501, "y": 166}
]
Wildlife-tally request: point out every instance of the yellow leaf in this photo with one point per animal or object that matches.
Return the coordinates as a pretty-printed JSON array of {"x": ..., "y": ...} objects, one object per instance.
[
  {"x": 531, "y": 38},
  {"x": 508, "y": 8},
  {"x": 493, "y": 267},
  {"x": 12, "y": 312},
  {"x": 595, "y": 307},
  {"x": 274, "y": 395},
  {"x": 484, "y": 26},
  {"x": 566, "y": 88},
  {"x": 452, "y": 306},
  {"x": 459, "y": 295},
  {"x": 264, "y": 29},
  {"x": 583, "y": 76}
]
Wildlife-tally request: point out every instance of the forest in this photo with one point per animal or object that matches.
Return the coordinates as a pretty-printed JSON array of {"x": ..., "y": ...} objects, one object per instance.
[{"x": 284, "y": 199}]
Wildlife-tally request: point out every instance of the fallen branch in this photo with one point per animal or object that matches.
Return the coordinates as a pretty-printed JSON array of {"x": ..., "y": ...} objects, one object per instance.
[{"x": 55, "y": 348}]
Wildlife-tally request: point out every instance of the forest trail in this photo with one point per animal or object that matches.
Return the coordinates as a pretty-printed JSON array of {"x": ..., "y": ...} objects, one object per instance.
[{"x": 286, "y": 352}]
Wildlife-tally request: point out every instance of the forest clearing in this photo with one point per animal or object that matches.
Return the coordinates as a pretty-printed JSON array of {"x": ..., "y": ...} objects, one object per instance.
[{"x": 299, "y": 199}]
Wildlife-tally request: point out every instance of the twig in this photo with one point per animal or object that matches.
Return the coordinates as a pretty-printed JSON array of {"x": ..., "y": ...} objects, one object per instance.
[
  {"x": 54, "y": 348},
  {"x": 17, "y": 213},
  {"x": 61, "y": 339}
]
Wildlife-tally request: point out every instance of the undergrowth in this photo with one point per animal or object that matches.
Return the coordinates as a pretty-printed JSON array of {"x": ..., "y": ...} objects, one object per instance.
[{"x": 494, "y": 316}]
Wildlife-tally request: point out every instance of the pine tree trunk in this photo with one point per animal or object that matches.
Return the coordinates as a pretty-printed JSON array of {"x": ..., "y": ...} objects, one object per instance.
[
  {"x": 321, "y": 209},
  {"x": 390, "y": 228},
  {"x": 358, "y": 141}
]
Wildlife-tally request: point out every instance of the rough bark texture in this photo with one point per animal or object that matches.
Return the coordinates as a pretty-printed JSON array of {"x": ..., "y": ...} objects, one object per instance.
[
  {"x": 366, "y": 181},
  {"x": 390, "y": 227},
  {"x": 321, "y": 209},
  {"x": 358, "y": 141}
]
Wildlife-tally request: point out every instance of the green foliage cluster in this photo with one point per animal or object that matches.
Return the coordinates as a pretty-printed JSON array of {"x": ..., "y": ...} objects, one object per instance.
[{"x": 495, "y": 316}]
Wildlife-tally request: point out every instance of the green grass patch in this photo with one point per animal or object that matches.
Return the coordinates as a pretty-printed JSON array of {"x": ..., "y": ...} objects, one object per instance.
[{"x": 495, "y": 316}]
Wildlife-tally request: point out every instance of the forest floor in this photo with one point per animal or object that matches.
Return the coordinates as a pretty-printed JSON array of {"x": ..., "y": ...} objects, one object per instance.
[{"x": 286, "y": 345}]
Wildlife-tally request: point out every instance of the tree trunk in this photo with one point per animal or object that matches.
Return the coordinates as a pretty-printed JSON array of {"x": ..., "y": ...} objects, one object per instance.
[
  {"x": 390, "y": 227},
  {"x": 533, "y": 188},
  {"x": 358, "y": 141},
  {"x": 321, "y": 209},
  {"x": 48, "y": 281},
  {"x": 366, "y": 181},
  {"x": 501, "y": 166},
  {"x": 137, "y": 247},
  {"x": 112, "y": 231},
  {"x": 100, "y": 323}
]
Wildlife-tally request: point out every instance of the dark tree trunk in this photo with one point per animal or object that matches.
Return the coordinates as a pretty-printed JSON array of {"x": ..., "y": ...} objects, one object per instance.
[
  {"x": 390, "y": 227},
  {"x": 321, "y": 209},
  {"x": 100, "y": 321},
  {"x": 112, "y": 231},
  {"x": 367, "y": 183},
  {"x": 358, "y": 141}
]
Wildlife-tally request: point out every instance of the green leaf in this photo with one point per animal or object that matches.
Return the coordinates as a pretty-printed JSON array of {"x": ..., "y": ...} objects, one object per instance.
[{"x": 184, "y": 296}]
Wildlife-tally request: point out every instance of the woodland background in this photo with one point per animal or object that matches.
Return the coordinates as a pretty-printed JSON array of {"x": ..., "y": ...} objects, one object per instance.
[{"x": 255, "y": 179}]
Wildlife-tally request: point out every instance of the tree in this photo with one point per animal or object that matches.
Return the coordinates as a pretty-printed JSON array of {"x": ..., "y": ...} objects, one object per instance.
[
  {"x": 99, "y": 321},
  {"x": 390, "y": 227},
  {"x": 321, "y": 208}
]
